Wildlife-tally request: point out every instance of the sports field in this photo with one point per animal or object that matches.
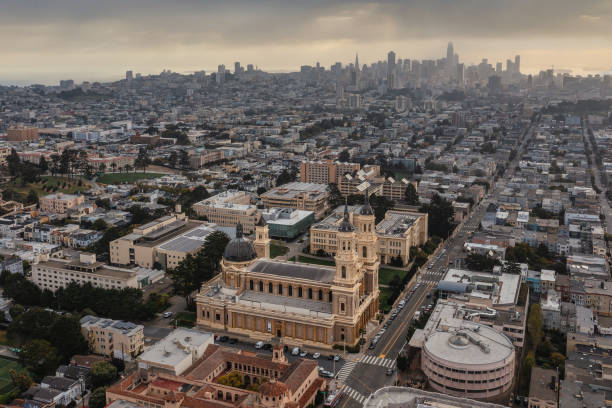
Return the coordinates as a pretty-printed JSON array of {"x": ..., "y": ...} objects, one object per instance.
[{"x": 6, "y": 365}]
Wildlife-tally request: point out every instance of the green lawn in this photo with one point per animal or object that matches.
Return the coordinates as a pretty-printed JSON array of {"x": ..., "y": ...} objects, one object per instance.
[
  {"x": 315, "y": 261},
  {"x": 385, "y": 275},
  {"x": 42, "y": 188},
  {"x": 277, "y": 250},
  {"x": 6, "y": 384},
  {"x": 185, "y": 319},
  {"x": 117, "y": 178},
  {"x": 292, "y": 259}
]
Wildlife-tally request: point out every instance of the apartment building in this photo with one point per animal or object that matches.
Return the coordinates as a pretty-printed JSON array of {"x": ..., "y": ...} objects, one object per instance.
[
  {"x": 113, "y": 338},
  {"x": 4, "y": 153},
  {"x": 397, "y": 233},
  {"x": 22, "y": 134},
  {"x": 325, "y": 171},
  {"x": 162, "y": 243},
  {"x": 199, "y": 158},
  {"x": 53, "y": 274},
  {"x": 299, "y": 196},
  {"x": 229, "y": 208},
  {"x": 59, "y": 203}
]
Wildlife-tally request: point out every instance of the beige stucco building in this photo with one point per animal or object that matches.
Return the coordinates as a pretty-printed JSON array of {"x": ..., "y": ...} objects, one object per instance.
[
  {"x": 113, "y": 338},
  {"x": 59, "y": 203},
  {"x": 299, "y": 304},
  {"x": 395, "y": 234},
  {"x": 229, "y": 208},
  {"x": 53, "y": 274},
  {"x": 299, "y": 196},
  {"x": 165, "y": 241},
  {"x": 325, "y": 171}
]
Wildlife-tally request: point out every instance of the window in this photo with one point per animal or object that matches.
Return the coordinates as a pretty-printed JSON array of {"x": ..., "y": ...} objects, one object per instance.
[
  {"x": 251, "y": 284},
  {"x": 280, "y": 289},
  {"x": 309, "y": 293},
  {"x": 365, "y": 252},
  {"x": 300, "y": 291},
  {"x": 261, "y": 286},
  {"x": 330, "y": 296},
  {"x": 342, "y": 307},
  {"x": 270, "y": 288},
  {"x": 320, "y": 294},
  {"x": 343, "y": 272},
  {"x": 290, "y": 290}
]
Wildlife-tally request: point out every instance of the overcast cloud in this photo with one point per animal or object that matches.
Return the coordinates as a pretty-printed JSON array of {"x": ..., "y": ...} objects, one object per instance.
[{"x": 44, "y": 40}]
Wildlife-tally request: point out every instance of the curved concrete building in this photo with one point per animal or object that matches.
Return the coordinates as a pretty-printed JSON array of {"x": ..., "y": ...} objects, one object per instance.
[{"x": 470, "y": 360}]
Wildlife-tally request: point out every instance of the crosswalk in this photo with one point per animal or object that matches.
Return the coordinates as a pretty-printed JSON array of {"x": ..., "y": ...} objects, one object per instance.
[
  {"x": 354, "y": 394},
  {"x": 346, "y": 369},
  {"x": 384, "y": 362}
]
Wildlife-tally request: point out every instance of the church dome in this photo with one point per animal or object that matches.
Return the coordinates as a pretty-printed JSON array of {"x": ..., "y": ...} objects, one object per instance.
[{"x": 239, "y": 249}]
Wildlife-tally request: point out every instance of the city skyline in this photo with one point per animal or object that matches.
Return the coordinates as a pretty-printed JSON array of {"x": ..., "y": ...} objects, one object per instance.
[{"x": 89, "y": 41}]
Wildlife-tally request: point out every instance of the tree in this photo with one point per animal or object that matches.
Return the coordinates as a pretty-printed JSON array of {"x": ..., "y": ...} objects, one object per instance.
[
  {"x": 525, "y": 375},
  {"x": 184, "y": 158},
  {"x": 103, "y": 373},
  {"x": 334, "y": 197},
  {"x": 102, "y": 167},
  {"x": 557, "y": 359},
  {"x": 99, "y": 225},
  {"x": 344, "y": 156},
  {"x": 114, "y": 166},
  {"x": 13, "y": 161},
  {"x": 477, "y": 262},
  {"x": 97, "y": 399},
  {"x": 534, "y": 326},
  {"x": 440, "y": 216},
  {"x": 21, "y": 380},
  {"x": 42, "y": 164},
  {"x": 143, "y": 159},
  {"x": 411, "y": 196},
  {"x": 32, "y": 197},
  {"x": 192, "y": 271},
  {"x": 286, "y": 177},
  {"x": 403, "y": 363},
  {"x": 39, "y": 357}
]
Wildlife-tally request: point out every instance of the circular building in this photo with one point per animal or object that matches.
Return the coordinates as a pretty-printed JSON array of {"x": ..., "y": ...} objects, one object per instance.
[{"x": 472, "y": 361}]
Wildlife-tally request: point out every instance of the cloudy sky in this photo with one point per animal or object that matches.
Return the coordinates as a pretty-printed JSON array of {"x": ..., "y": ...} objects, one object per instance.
[{"x": 46, "y": 40}]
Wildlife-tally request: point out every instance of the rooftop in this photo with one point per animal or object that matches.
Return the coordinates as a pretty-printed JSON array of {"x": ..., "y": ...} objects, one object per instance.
[{"x": 322, "y": 274}]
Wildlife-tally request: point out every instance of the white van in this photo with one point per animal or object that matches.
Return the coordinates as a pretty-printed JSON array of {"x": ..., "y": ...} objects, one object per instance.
[
  {"x": 296, "y": 351},
  {"x": 259, "y": 344}
]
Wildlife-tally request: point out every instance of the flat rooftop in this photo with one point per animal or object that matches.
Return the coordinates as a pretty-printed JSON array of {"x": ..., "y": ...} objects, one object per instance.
[{"x": 174, "y": 348}]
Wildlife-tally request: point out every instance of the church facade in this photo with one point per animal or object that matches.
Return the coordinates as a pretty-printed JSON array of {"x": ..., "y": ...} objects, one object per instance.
[{"x": 298, "y": 304}]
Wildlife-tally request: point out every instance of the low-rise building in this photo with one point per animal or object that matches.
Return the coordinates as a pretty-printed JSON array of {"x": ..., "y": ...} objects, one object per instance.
[
  {"x": 299, "y": 196},
  {"x": 229, "y": 208},
  {"x": 113, "y": 338},
  {"x": 287, "y": 223},
  {"x": 59, "y": 203}
]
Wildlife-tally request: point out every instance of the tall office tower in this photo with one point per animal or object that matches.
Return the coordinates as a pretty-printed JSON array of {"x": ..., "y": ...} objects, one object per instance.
[
  {"x": 450, "y": 53},
  {"x": 357, "y": 72},
  {"x": 237, "y": 67},
  {"x": 220, "y": 78},
  {"x": 509, "y": 66},
  {"x": 498, "y": 68},
  {"x": 460, "y": 74},
  {"x": 250, "y": 68},
  {"x": 129, "y": 76},
  {"x": 494, "y": 85},
  {"x": 390, "y": 69},
  {"x": 529, "y": 81},
  {"x": 517, "y": 64}
]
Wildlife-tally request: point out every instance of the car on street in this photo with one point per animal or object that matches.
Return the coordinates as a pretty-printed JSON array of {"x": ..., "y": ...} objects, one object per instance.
[
  {"x": 336, "y": 357},
  {"x": 295, "y": 351},
  {"x": 259, "y": 345},
  {"x": 371, "y": 346},
  {"x": 233, "y": 340},
  {"x": 304, "y": 353},
  {"x": 389, "y": 371},
  {"x": 223, "y": 339},
  {"x": 167, "y": 315},
  {"x": 316, "y": 355},
  {"x": 267, "y": 346}
]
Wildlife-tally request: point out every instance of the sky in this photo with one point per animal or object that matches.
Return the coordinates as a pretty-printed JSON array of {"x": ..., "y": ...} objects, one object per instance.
[{"x": 44, "y": 41}]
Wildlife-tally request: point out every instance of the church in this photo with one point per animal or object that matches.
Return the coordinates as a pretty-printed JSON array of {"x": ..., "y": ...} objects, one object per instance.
[{"x": 295, "y": 303}]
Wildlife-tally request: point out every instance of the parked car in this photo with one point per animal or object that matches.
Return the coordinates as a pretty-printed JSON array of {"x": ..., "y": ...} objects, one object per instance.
[
  {"x": 304, "y": 353},
  {"x": 259, "y": 345},
  {"x": 167, "y": 315},
  {"x": 295, "y": 351},
  {"x": 267, "y": 346},
  {"x": 316, "y": 355},
  {"x": 389, "y": 371},
  {"x": 336, "y": 357},
  {"x": 223, "y": 339},
  {"x": 371, "y": 346},
  {"x": 233, "y": 340}
]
